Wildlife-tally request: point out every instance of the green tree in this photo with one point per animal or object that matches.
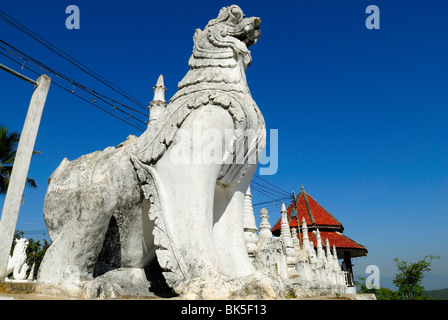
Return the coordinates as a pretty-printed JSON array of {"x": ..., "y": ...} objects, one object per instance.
[
  {"x": 410, "y": 276},
  {"x": 8, "y": 146},
  {"x": 380, "y": 293}
]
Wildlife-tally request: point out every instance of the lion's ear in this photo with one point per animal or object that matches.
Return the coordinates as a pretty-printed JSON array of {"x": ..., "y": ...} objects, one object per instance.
[
  {"x": 224, "y": 12},
  {"x": 222, "y": 16}
]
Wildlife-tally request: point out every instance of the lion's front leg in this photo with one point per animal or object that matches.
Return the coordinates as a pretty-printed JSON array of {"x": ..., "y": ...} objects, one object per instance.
[{"x": 228, "y": 227}]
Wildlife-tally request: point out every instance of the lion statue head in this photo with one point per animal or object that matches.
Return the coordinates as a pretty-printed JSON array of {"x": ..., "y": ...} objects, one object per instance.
[
  {"x": 232, "y": 29},
  {"x": 19, "y": 249},
  {"x": 220, "y": 53}
]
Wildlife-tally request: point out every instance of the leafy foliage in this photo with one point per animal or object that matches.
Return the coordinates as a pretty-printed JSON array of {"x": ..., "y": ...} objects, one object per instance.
[
  {"x": 408, "y": 281},
  {"x": 380, "y": 293},
  {"x": 440, "y": 294},
  {"x": 8, "y": 145}
]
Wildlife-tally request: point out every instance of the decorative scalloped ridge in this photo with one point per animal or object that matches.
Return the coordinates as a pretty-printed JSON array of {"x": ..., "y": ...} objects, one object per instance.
[{"x": 166, "y": 252}]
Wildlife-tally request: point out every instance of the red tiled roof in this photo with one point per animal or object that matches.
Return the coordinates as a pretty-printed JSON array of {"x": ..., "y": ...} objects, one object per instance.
[
  {"x": 315, "y": 216},
  {"x": 341, "y": 242}
]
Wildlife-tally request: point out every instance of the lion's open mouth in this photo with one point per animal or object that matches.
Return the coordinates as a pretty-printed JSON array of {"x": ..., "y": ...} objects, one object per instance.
[{"x": 249, "y": 31}]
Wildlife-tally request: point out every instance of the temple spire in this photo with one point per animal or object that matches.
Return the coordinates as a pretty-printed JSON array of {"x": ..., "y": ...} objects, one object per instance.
[
  {"x": 248, "y": 212},
  {"x": 265, "y": 227},
  {"x": 284, "y": 231},
  {"x": 335, "y": 256},
  {"x": 287, "y": 243},
  {"x": 328, "y": 252},
  {"x": 158, "y": 104},
  {"x": 295, "y": 238},
  {"x": 159, "y": 90},
  {"x": 250, "y": 228},
  {"x": 320, "y": 250},
  {"x": 305, "y": 238}
]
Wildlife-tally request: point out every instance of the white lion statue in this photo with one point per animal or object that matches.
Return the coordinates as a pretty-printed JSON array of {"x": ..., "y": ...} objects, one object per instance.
[
  {"x": 17, "y": 262},
  {"x": 120, "y": 217}
]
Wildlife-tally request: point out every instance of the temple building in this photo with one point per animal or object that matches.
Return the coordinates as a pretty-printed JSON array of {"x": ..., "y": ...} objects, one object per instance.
[{"x": 305, "y": 211}]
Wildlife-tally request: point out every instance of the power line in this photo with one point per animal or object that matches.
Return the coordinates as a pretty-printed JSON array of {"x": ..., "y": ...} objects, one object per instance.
[
  {"x": 27, "y": 59},
  {"x": 19, "y": 26},
  {"x": 261, "y": 191},
  {"x": 78, "y": 94},
  {"x": 258, "y": 177},
  {"x": 273, "y": 194},
  {"x": 275, "y": 201},
  {"x": 271, "y": 199},
  {"x": 269, "y": 189},
  {"x": 91, "y": 96}
]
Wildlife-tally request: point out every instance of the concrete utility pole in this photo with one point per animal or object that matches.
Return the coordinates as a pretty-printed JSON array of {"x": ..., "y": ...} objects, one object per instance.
[{"x": 19, "y": 173}]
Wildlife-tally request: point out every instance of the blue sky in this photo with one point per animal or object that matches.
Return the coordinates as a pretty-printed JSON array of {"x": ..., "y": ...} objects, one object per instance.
[{"x": 361, "y": 114}]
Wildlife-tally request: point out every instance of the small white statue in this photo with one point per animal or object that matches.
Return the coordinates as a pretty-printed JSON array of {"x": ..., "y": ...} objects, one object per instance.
[{"x": 17, "y": 262}]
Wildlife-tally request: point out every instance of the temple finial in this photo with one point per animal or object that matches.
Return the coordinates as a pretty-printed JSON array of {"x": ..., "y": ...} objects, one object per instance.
[
  {"x": 305, "y": 239},
  {"x": 284, "y": 232},
  {"x": 320, "y": 251},
  {"x": 250, "y": 228},
  {"x": 158, "y": 104},
  {"x": 265, "y": 227},
  {"x": 159, "y": 90}
]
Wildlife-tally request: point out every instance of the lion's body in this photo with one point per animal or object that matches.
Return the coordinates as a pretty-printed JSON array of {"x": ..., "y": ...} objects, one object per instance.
[{"x": 123, "y": 208}]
